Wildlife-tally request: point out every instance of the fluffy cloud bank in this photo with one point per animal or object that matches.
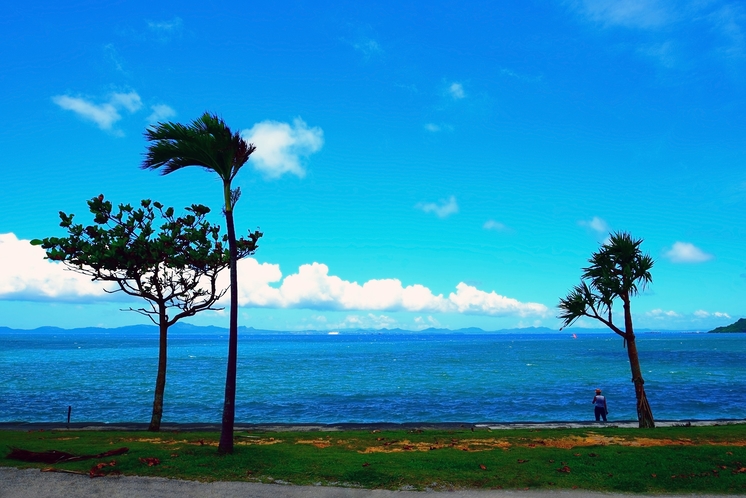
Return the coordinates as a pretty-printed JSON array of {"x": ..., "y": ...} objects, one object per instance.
[
  {"x": 26, "y": 275},
  {"x": 313, "y": 288},
  {"x": 280, "y": 146}
]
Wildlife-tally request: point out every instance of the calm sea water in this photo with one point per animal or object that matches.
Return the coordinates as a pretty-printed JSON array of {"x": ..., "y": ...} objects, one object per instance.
[{"x": 109, "y": 377}]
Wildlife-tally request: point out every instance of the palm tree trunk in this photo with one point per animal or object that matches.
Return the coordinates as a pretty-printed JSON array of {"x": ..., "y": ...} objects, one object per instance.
[
  {"x": 229, "y": 405},
  {"x": 644, "y": 413},
  {"x": 160, "y": 380}
]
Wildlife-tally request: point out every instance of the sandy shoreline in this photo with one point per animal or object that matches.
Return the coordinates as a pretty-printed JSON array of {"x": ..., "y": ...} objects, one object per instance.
[{"x": 301, "y": 427}]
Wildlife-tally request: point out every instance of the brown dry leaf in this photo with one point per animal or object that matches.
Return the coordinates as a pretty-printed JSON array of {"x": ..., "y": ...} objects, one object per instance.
[
  {"x": 481, "y": 466},
  {"x": 565, "y": 469}
]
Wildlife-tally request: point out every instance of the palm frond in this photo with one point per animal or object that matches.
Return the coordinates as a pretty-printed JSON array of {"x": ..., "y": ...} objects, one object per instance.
[{"x": 206, "y": 142}]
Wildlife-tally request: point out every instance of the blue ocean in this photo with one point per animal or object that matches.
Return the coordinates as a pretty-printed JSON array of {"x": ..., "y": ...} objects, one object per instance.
[{"x": 108, "y": 376}]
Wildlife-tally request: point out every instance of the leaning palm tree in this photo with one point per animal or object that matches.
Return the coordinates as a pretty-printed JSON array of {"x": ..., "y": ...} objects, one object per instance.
[
  {"x": 618, "y": 270},
  {"x": 208, "y": 142}
]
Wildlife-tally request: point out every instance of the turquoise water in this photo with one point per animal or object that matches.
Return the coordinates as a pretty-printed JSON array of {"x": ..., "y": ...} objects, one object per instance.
[{"x": 109, "y": 377}]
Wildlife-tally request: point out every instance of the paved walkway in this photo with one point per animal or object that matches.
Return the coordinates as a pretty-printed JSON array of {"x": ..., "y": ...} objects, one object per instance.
[{"x": 32, "y": 483}]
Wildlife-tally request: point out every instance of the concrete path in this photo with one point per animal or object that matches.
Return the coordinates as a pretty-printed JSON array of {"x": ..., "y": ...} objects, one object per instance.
[{"x": 31, "y": 483}]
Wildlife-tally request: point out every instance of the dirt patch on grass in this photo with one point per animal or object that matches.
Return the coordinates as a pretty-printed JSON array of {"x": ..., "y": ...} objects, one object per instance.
[
  {"x": 457, "y": 444},
  {"x": 319, "y": 443}
]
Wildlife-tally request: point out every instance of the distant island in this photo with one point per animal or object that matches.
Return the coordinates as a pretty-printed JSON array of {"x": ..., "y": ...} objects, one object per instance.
[{"x": 739, "y": 326}]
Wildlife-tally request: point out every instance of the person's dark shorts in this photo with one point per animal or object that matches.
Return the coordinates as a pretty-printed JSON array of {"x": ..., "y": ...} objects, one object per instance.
[{"x": 600, "y": 412}]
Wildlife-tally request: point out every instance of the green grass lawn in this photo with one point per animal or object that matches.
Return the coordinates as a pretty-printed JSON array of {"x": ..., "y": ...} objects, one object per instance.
[{"x": 674, "y": 459}]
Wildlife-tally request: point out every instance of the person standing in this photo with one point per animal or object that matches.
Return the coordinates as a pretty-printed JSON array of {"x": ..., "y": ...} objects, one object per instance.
[{"x": 599, "y": 402}]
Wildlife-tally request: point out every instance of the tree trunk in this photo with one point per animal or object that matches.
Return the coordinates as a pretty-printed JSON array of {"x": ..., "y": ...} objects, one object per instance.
[
  {"x": 229, "y": 405},
  {"x": 644, "y": 413},
  {"x": 160, "y": 380}
]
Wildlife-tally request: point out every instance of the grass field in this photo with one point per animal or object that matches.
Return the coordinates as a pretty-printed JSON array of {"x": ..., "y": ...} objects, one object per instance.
[{"x": 673, "y": 459}]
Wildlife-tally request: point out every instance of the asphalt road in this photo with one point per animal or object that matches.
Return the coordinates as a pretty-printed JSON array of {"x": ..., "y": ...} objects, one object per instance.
[{"x": 31, "y": 483}]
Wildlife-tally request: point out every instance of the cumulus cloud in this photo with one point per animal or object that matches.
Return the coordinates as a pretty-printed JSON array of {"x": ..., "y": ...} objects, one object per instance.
[
  {"x": 684, "y": 252},
  {"x": 26, "y": 275},
  {"x": 280, "y": 146},
  {"x": 312, "y": 287},
  {"x": 494, "y": 225},
  {"x": 441, "y": 209},
  {"x": 457, "y": 91},
  {"x": 104, "y": 114},
  {"x": 596, "y": 224},
  {"x": 707, "y": 314},
  {"x": 160, "y": 112},
  {"x": 659, "y": 313}
]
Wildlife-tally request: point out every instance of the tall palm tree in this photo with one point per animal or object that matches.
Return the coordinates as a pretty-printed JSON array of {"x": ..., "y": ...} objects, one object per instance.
[
  {"x": 208, "y": 142},
  {"x": 618, "y": 270}
]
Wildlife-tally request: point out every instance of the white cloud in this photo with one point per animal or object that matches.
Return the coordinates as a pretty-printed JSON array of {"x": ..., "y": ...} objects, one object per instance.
[
  {"x": 596, "y": 224},
  {"x": 104, "y": 115},
  {"x": 659, "y": 313},
  {"x": 313, "y": 288},
  {"x": 160, "y": 112},
  {"x": 426, "y": 322},
  {"x": 442, "y": 209},
  {"x": 642, "y": 14},
  {"x": 457, "y": 91},
  {"x": 494, "y": 225},
  {"x": 684, "y": 252},
  {"x": 707, "y": 314},
  {"x": 468, "y": 299},
  {"x": 26, "y": 275},
  {"x": 280, "y": 146}
]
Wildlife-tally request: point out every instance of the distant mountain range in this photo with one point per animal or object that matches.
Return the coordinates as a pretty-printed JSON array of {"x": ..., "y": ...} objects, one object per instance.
[{"x": 186, "y": 328}]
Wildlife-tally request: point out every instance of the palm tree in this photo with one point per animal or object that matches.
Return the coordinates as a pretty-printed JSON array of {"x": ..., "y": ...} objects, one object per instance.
[
  {"x": 618, "y": 270},
  {"x": 208, "y": 142}
]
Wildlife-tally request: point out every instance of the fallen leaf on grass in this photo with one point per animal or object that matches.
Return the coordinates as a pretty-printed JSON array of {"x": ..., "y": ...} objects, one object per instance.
[
  {"x": 592, "y": 455},
  {"x": 551, "y": 461},
  {"x": 565, "y": 469},
  {"x": 97, "y": 470},
  {"x": 481, "y": 466},
  {"x": 576, "y": 454},
  {"x": 653, "y": 475},
  {"x": 150, "y": 461},
  {"x": 520, "y": 460},
  {"x": 366, "y": 464}
]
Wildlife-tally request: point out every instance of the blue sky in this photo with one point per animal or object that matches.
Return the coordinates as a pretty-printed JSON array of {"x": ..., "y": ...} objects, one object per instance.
[{"x": 452, "y": 165}]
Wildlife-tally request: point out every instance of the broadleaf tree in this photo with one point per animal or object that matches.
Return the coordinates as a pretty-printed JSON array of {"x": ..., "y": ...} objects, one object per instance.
[
  {"x": 209, "y": 143},
  {"x": 618, "y": 270},
  {"x": 174, "y": 267}
]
